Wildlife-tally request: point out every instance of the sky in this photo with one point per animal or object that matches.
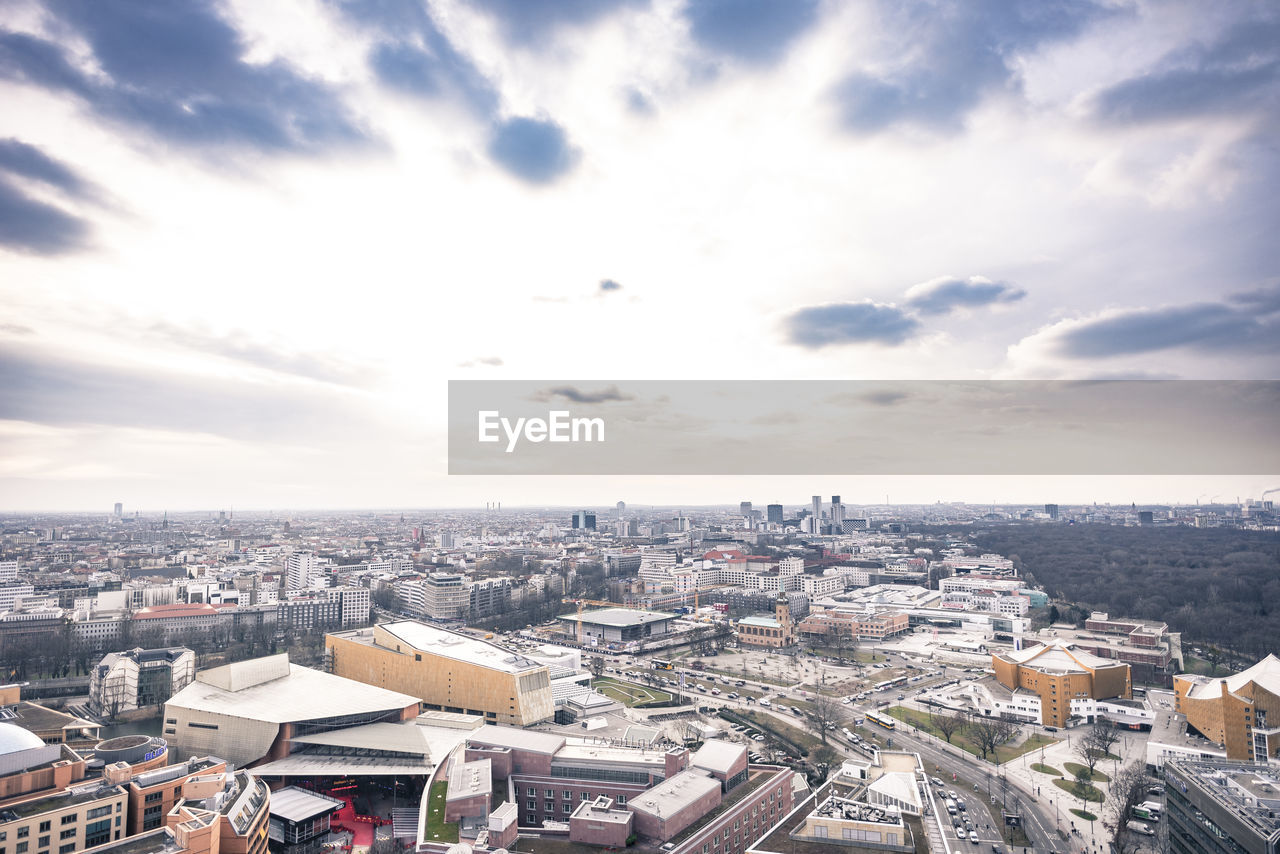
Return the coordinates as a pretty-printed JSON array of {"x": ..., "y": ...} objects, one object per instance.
[{"x": 244, "y": 246}]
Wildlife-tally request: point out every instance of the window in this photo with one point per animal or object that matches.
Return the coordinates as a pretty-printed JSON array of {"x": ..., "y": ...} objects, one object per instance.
[
  {"x": 532, "y": 791},
  {"x": 550, "y": 793},
  {"x": 67, "y": 834},
  {"x": 67, "y": 849},
  {"x": 24, "y": 832},
  {"x": 567, "y": 808},
  {"x": 532, "y": 804},
  {"x": 22, "y": 848},
  {"x": 622, "y": 800},
  {"x": 153, "y": 797},
  {"x": 568, "y": 795},
  {"x": 43, "y": 841},
  {"x": 71, "y": 818},
  {"x": 98, "y": 812},
  {"x": 586, "y": 796}
]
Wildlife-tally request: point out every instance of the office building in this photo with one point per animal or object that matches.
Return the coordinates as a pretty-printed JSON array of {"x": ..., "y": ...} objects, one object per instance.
[
  {"x": 446, "y": 670},
  {"x": 1222, "y": 807},
  {"x": 1051, "y": 510},
  {"x": 1241, "y": 712},
  {"x": 136, "y": 678},
  {"x": 582, "y": 520},
  {"x": 773, "y": 513},
  {"x": 616, "y": 625}
]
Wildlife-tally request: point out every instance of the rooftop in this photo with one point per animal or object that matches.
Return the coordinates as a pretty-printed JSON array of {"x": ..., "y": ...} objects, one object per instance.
[
  {"x": 299, "y": 694},
  {"x": 447, "y": 644},
  {"x": 718, "y": 756},
  {"x": 1057, "y": 657},
  {"x": 619, "y": 617},
  {"x": 759, "y": 620},
  {"x": 1249, "y": 791},
  {"x": 296, "y": 805},
  {"x": 674, "y": 794},
  {"x": 468, "y": 779},
  {"x": 1265, "y": 673},
  {"x": 505, "y": 736}
]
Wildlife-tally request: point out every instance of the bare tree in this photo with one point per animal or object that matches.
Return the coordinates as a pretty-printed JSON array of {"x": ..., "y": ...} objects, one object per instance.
[
  {"x": 1127, "y": 790},
  {"x": 949, "y": 724},
  {"x": 989, "y": 733},
  {"x": 824, "y": 711},
  {"x": 1096, "y": 744},
  {"x": 597, "y": 666}
]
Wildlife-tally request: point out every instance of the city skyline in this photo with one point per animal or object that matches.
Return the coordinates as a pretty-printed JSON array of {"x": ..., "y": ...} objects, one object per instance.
[{"x": 243, "y": 248}]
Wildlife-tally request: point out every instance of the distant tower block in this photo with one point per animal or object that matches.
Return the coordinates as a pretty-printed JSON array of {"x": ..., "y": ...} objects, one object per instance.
[
  {"x": 119, "y": 510},
  {"x": 622, "y": 506}
]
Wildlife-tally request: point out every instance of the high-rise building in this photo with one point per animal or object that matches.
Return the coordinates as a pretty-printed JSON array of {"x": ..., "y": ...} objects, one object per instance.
[
  {"x": 817, "y": 514},
  {"x": 300, "y": 569},
  {"x": 774, "y": 512},
  {"x": 1051, "y": 510},
  {"x": 837, "y": 515},
  {"x": 744, "y": 508},
  {"x": 119, "y": 510},
  {"x": 582, "y": 520}
]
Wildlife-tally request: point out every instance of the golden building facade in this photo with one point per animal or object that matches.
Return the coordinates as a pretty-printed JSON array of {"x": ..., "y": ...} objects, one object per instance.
[
  {"x": 1059, "y": 673},
  {"x": 1240, "y": 712},
  {"x": 446, "y": 670}
]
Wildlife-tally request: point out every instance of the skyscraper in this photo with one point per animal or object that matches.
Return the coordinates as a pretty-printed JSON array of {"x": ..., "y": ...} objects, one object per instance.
[
  {"x": 775, "y": 513},
  {"x": 817, "y": 514},
  {"x": 119, "y": 510},
  {"x": 837, "y": 515},
  {"x": 744, "y": 508}
]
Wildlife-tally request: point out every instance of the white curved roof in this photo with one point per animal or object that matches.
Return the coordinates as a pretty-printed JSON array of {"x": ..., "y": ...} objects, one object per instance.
[{"x": 15, "y": 738}]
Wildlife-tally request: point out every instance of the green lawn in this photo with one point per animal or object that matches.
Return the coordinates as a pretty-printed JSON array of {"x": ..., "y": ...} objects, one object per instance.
[
  {"x": 1088, "y": 793},
  {"x": 1046, "y": 769},
  {"x": 803, "y": 738},
  {"x": 629, "y": 693},
  {"x": 437, "y": 830},
  {"x": 1087, "y": 816},
  {"x": 1074, "y": 768},
  {"x": 1003, "y": 753}
]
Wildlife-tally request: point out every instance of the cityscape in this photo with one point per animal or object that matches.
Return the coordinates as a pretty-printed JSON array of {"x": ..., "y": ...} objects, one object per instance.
[
  {"x": 655, "y": 426},
  {"x": 744, "y": 678}
]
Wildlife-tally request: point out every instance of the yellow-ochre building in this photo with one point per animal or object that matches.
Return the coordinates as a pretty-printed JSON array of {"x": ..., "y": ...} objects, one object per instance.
[
  {"x": 1240, "y": 712},
  {"x": 448, "y": 671},
  {"x": 1060, "y": 673}
]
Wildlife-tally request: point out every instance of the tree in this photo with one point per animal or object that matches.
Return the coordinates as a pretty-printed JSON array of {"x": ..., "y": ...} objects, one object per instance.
[
  {"x": 1083, "y": 776},
  {"x": 1095, "y": 745},
  {"x": 949, "y": 724},
  {"x": 1128, "y": 789},
  {"x": 824, "y": 711},
  {"x": 597, "y": 666},
  {"x": 989, "y": 733}
]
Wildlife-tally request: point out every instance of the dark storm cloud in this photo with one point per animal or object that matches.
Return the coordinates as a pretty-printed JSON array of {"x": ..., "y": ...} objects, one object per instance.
[
  {"x": 526, "y": 22},
  {"x": 754, "y": 31},
  {"x": 26, "y": 160},
  {"x": 241, "y": 348},
  {"x": 47, "y": 389},
  {"x": 944, "y": 295},
  {"x": 1212, "y": 327},
  {"x": 29, "y": 225},
  {"x": 849, "y": 323},
  {"x": 958, "y": 53},
  {"x": 1239, "y": 72},
  {"x": 176, "y": 71},
  {"x": 536, "y": 151},
  {"x": 574, "y": 394}
]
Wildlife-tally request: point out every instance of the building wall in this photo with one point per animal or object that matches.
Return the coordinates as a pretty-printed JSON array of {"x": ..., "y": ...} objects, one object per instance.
[
  {"x": 1057, "y": 690},
  {"x": 738, "y": 827},
  {"x": 536, "y": 808},
  {"x": 200, "y": 733},
  {"x": 61, "y": 829},
  {"x": 667, "y": 826},
  {"x": 438, "y": 681},
  {"x": 55, "y": 777},
  {"x": 1228, "y": 719}
]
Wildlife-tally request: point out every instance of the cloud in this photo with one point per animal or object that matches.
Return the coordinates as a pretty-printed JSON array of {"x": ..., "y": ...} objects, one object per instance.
[
  {"x": 943, "y": 295},
  {"x": 1238, "y": 72},
  {"x": 483, "y": 361},
  {"x": 240, "y": 347},
  {"x": 577, "y": 395},
  {"x": 530, "y": 22},
  {"x": 411, "y": 55},
  {"x": 752, "y": 31},
  {"x": 950, "y": 57},
  {"x": 536, "y": 151},
  {"x": 31, "y": 226},
  {"x": 45, "y": 389},
  {"x": 1248, "y": 325},
  {"x": 609, "y": 286},
  {"x": 177, "y": 71},
  {"x": 16, "y": 329},
  {"x": 850, "y": 323},
  {"x": 638, "y": 102},
  {"x": 28, "y": 161}
]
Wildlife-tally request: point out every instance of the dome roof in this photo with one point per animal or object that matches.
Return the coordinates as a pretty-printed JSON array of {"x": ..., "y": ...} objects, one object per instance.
[{"x": 15, "y": 738}]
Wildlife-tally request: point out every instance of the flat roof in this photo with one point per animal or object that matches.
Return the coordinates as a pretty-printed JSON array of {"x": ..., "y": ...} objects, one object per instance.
[
  {"x": 520, "y": 739},
  {"x": 393, "y": 738},
  {"x": 769, "y": 622},
  {"x": 589, "y": 752},
  {"x": 459, "y": 647},
  {"x": 302, "y": 695},
  {"x": 294, "y": 804},
  {"x": 674, "y": 794},
  {"x": 468, "y": 779},
  {"x": 619, "y": 617}
]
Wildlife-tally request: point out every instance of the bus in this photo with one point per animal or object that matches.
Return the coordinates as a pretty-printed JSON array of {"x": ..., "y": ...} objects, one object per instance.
[
  {"x": 891, "y": 683},
  {"x": 661, "y": 664},
  {"x": 882, "y": 720}
]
